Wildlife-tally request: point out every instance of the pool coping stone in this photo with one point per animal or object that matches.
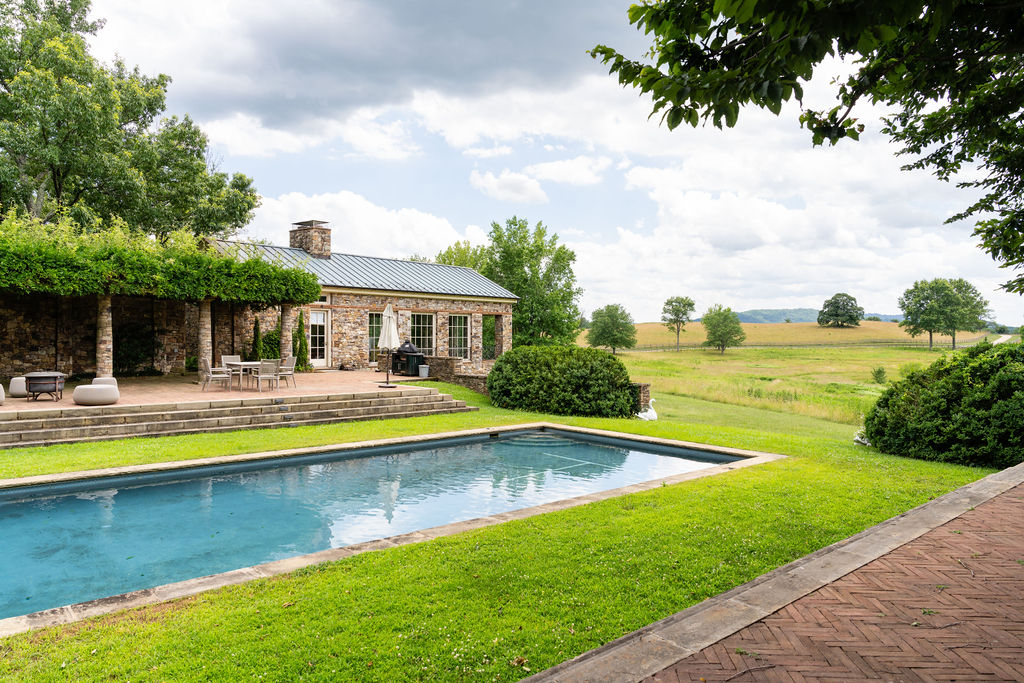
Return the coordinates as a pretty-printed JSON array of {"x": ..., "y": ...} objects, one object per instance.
[
  {"x": 656, "y": 647},
  {"x": 72, "y": 613}
]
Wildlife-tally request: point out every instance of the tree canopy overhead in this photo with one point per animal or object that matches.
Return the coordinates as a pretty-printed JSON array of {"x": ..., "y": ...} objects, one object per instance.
[
  {"x": 86, "y": 139},
  {"x": 952, "y": 72}
]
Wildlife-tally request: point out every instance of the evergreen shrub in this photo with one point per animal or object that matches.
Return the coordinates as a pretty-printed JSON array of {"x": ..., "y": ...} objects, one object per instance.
[
  {"x": 966, "y": 408},
  {"x": 562, "y": 381}
]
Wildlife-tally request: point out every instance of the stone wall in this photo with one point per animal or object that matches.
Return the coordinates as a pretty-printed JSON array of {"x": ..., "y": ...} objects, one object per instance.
[
  {"x": 349, "y": 316},
  {"x": 59, "y": 333},
  {"x": 642, "y": 394},
  {"x": 451, "y": 370}
]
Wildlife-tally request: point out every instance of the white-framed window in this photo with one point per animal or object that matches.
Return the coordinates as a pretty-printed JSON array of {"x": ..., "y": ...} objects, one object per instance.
[
  {"x": 374, "y": 325},
  {"x": 458, "y": 336},
  {"x": 422, "y": 332}
]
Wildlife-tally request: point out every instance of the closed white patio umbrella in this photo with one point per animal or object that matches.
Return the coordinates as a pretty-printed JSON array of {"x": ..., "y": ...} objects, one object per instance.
[{"x": 388, "y": 339}]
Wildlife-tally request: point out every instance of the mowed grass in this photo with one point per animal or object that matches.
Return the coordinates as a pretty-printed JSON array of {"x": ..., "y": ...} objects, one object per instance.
[
  {"x": 826, "y": 382},
  {"x": 503, "y": 602},
  {"x": 779, "y": 334}
]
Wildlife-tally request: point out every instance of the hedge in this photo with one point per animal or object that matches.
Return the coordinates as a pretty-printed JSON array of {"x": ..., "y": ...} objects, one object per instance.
[
  {"x": 57, "y": 258},
  {"x": 561, "y": 381},
  {"x": 966, "y": 408}
]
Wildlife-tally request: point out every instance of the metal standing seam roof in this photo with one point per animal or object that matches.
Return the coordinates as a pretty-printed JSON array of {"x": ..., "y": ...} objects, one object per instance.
[{"x": 369, "y": 272}]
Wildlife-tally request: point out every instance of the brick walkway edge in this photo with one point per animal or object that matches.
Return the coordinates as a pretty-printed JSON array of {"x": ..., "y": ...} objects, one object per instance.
[{"x": 934, "y": 594}]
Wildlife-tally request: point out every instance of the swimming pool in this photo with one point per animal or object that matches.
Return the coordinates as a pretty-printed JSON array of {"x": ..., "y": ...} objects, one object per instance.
[{"x": 83, "y": 540}]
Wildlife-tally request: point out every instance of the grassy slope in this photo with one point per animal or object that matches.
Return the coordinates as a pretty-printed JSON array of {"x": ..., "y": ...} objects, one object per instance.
[
  {"x": 831, "y": 383},
  {"x": 788, "y": 333},
  {"x": 542, "y": 589}
]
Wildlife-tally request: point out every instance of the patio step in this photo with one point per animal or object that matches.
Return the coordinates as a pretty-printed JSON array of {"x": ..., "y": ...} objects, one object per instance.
[{"x": 69, "y": 425}]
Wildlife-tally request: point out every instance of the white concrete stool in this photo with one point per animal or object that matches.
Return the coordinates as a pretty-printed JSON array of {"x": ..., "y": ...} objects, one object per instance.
[
  {"x": 105, "y": 380},
  {"x": 18, "y": 388},
  {"x": 96, "y": 395}
]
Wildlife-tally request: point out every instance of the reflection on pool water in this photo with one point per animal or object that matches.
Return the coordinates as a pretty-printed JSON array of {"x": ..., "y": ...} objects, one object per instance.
[{"x": 65, "y": 545}]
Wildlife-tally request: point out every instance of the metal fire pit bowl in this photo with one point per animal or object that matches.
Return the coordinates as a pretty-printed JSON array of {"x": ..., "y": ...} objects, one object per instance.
[{"x": 51, "y": 383}]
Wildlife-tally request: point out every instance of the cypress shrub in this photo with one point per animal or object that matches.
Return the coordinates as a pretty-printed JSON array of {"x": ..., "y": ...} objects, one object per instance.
[
  {"x": 966, "y": 408},
  {"x": 562, "y": 381}
]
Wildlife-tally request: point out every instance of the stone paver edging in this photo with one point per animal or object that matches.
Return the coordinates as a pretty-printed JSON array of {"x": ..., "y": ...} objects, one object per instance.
[
  {"x": 658, "y": 646},
  {"x": 72, "y": 613}
]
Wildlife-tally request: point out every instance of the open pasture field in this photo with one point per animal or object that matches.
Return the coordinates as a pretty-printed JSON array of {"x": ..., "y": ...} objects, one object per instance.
[
  {"x": 504, "y": 602},
  {"x": 831, "y": 383},
  {"x": 781, "y": 334}
]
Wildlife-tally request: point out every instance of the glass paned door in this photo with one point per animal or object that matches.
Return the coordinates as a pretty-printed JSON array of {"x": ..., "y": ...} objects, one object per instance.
[
  {"x": 375, "y": 323},
  {"x": 319, "y": 334}
]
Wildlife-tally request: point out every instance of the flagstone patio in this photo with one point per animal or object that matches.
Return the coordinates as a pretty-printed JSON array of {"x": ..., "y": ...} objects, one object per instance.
[{"x": 186, "y": 388}]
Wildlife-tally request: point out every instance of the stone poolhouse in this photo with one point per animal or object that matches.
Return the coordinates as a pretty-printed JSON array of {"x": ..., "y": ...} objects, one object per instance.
[{"x": 441, "y": 309}]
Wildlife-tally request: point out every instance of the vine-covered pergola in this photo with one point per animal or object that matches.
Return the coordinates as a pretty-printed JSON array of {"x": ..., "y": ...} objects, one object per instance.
[{"x": 59, "y": 259}]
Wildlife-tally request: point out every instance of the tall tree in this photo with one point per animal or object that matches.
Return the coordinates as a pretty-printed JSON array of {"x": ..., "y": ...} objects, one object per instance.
[
  {"x": 943, "y": 306},
  {"x": 464, "y": 254},
  {"x": 676, "y": 313},
  {"x": 723, "y": 328},
  {"x": 612, "y": 326},
  {"x": 969, "y": 311},
  {"x": 82, "y": 138},
  {"x": 533, "y": 266},
  {"x": 951, "y": 73},
  {"x": 840, "y": 311}
]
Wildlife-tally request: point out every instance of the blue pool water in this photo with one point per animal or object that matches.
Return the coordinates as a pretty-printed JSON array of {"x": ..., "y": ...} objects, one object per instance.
[{"x": 76, "y": 542}]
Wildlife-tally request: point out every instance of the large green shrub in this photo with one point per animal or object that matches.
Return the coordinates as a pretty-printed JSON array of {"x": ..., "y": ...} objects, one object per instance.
[
  {"x": 562, "y": 381},
  {"x": 966, "y": 408}
]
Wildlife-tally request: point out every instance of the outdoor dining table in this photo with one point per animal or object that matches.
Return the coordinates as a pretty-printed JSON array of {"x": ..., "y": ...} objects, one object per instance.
[{"x": 243, "y": 367}]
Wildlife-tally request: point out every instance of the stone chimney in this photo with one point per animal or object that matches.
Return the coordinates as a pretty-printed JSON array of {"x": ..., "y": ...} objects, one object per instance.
[{"x": 314, "y": 237}]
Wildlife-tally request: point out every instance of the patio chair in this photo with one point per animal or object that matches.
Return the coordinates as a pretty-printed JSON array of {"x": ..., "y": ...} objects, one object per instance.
[
  {"x": 208, "y": 374},
  {"x": 288, "y": 370},
  {"x": 235, "y": 372},
  {"x": 268, "y": 371}
]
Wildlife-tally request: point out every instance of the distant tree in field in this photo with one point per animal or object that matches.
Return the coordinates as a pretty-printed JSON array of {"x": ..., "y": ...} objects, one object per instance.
[
  {"x": 676, "y": 313},
  {"x": 612, "y": 326},
  {"x": 722, "y": 327},
  {"x": 840, "y": 311},
  {"x": 943, "y": 306},
  {"x": 873, "y": 318}
]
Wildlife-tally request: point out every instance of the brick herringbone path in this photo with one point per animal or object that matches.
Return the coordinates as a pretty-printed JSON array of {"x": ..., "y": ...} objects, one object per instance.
[{"x": 948, "y": 606}]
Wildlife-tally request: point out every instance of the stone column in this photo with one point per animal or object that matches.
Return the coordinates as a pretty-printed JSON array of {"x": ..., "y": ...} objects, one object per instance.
[
  {"x": 502, "y": 334},
  {"x": 441, "y": 334},
  {"x": 476, "y": 340},
  {"x": 286, "y": 331},
  {"x": 104, "y": 337},
  {"x": 205, "y": 349}
]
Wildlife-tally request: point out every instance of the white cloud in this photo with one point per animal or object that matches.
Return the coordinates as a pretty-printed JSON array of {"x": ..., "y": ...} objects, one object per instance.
[
  {"x": 487, "y": 152},
  {"x": 508, "y": 187},
  {"x": 358, "y": 226},
  {"x": 373, "y": 138},
  {"x": 246, "y": 136},
  {"x": 583, "y": 170}
]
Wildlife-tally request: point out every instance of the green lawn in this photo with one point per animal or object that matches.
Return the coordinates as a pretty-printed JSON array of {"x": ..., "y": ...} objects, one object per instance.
[
  {"x": 505, "y": 601},
  {"x": 826, "y": 382}
]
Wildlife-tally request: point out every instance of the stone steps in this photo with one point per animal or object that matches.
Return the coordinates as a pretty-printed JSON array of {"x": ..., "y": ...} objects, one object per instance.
[{"x": 36, "y": 428}]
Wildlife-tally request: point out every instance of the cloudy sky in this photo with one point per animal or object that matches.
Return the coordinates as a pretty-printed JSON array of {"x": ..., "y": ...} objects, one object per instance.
[{"x": 410, "y": 125}]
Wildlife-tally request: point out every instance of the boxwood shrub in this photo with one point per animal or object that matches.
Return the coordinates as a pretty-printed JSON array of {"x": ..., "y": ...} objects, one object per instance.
[
  {"x": 561, "y": 380},
  {"x": 966, "y": 408}
]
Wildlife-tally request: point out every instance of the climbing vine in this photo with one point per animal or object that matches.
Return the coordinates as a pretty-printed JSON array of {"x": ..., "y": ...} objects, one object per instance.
[{"x": 62, "y": 259}]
